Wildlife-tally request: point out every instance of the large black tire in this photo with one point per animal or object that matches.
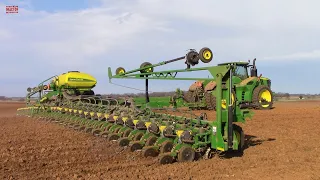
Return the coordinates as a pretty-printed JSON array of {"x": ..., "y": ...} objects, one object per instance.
[
  {"x": 192, "y": 58},
  {"x": 145, "y": 64},
  {"x": 199, "y": 90},
  {"x": 189, "y": 97},
  {"x": 262, "y": 97},
  {"x": 210, "y": 101}
]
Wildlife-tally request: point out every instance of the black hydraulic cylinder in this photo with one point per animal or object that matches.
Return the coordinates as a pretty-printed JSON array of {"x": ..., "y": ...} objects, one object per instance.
[
  {"x": 173, "y": 60},
  {"x": 147, "y": 91},
  {"x": 230, "y": 128},
  {"x": 230, "y": 112}
]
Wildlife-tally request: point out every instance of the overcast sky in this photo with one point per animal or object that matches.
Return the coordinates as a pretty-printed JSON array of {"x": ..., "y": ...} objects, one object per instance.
[{"x": 51, "y": 37}]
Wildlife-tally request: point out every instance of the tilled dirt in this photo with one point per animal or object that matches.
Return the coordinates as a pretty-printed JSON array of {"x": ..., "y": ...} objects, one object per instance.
[{"x": 282, "y": 143}]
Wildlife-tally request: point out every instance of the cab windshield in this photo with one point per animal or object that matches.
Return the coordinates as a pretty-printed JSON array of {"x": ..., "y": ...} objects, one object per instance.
[{"x": 241, "y": 72}]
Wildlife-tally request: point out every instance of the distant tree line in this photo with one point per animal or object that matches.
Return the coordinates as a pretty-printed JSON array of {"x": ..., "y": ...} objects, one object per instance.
[
  {"x": 281, "y": 95},
  {"x": 4, "y": 98}
]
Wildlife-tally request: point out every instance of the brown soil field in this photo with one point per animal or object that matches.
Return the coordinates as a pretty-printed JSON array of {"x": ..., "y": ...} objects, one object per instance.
[{"x": 282, "y": 143}]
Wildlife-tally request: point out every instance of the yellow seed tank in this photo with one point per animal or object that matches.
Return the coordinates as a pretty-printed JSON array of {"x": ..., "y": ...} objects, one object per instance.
[{"x": 75, "y": 79}]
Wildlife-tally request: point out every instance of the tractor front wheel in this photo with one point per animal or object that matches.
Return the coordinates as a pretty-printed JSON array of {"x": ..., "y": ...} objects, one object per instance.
[{"x": 262, "y": 97}]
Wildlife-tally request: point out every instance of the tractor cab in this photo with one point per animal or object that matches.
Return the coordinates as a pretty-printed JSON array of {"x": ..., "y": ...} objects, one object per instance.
[{"x": 241, "y": 70}]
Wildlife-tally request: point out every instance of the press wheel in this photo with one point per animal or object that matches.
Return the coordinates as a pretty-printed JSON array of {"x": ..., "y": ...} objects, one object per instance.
[
  {"x": 135, "y": 146},
  {"x": 76, "y": 127},
  {"x": 186, "y": 154},
  {"x": 150, "y": 152},
  {"x": 82, "y": 128},
  {"x": 116, "y": 130},
  {"x": 126, "y": 133},
  {"x": 104, "y": 134},
  {"x": 166, "y": 159},
  {"x": 112, "y": 137},
  {"x": 108, "y": 127},
  {"x": 138, "y": 136},
  {"x": 70, "y": 125},
  {"x": 166, "y": 146},
  {"x": 96, "y": 132},
  {"x": 151, "y": 140},
  {"x": 88, "y": 130},
  {"x": 124, "y": 141}
]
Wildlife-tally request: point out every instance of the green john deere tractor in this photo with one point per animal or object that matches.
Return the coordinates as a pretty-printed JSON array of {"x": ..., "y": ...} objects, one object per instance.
[{"x": 252, "y": 90}]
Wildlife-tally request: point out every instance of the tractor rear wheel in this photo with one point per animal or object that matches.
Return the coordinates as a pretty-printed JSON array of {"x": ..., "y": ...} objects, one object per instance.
[
  {"x": 262, "y": 97},
  {"x": 210, "y": 101},
  {"x": 189, "y": 97}
]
